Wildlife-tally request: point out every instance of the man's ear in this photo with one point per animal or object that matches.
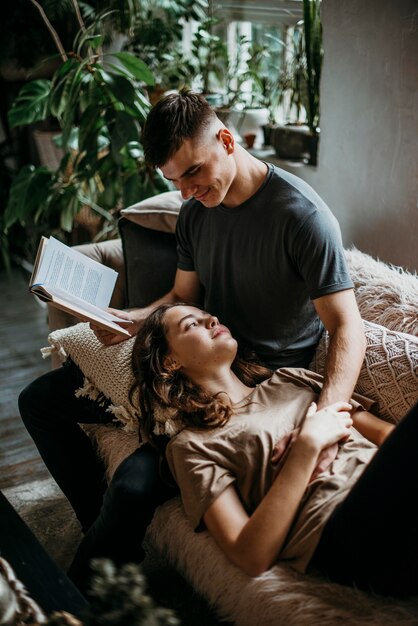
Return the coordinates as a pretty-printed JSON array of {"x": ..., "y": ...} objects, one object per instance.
[{"x": 227, "y": 139}]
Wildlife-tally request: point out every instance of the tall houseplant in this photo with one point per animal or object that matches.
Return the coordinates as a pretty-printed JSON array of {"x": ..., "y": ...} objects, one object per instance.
[
  {"x": 156, "y": 36},
  {"x": 312, "y": 29},
  {"x": 305, "y": 70},
  {"x": 99, "y": 102}
]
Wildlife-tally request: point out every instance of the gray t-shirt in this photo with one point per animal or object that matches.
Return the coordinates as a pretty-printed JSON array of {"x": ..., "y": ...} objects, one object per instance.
[{"x": 262, "y": 263}]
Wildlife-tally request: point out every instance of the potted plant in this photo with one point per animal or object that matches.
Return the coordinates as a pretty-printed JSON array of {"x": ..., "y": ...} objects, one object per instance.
[
  {"x": 300, "y": 141},
  {"x": 234, "y": 75},
  {"x": 99, "y": 103},
  {"x": 208, "y": 54},
  {"x": 156, "y": 37}
]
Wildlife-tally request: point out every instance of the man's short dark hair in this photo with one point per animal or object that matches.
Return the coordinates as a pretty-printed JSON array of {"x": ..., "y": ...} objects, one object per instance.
[{"x": 173, "y": 119}]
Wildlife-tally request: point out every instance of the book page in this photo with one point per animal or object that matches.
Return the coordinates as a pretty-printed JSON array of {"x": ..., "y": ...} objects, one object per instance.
[
  {"x": 39, "y": 255},
  {"x": 75, "y": 274},
  {"x": 90, "y": 313},
  {"x": 81, "y": 305}
]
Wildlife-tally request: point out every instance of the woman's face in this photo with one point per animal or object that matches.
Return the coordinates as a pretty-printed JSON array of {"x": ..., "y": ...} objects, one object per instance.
[{"x": 197, "y": 342}]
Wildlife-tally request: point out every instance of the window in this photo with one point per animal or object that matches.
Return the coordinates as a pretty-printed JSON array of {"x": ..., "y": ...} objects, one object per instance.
[{"x": 256, "y": 38}]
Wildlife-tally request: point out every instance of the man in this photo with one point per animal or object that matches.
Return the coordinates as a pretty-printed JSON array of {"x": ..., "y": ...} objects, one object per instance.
[
  {"x": 246, "y": 225},
  {"x": 259, "y": 249}
]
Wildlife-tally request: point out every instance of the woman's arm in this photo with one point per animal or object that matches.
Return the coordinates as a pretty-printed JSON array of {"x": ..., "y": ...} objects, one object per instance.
[
  {"x": 254, "y": 543},
  {"x": 373, "y": 428}
]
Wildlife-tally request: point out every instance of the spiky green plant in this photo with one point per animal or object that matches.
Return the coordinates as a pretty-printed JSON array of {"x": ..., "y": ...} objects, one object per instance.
[{"x": 312, "y": 29}]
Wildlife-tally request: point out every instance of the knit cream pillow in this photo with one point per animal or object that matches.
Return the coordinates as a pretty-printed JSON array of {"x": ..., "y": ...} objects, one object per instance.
[
  {"x": 107, "y": 369},
  {"x": 389, "y": 374}
]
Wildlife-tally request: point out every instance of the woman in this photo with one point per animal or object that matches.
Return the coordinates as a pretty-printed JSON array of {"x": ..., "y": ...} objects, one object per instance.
[{"x": 245, "y": 459}]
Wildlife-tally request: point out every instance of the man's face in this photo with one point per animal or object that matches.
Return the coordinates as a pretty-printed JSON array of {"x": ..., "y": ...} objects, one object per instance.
[{"x": 204, "y": 168}]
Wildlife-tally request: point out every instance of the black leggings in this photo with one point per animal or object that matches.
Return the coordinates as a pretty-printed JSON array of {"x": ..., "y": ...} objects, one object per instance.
[
  {"x": 371, "y": 540},
  {"x": 115, "y": 517}
]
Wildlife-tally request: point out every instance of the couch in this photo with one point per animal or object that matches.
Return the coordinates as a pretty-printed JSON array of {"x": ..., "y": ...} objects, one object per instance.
[{"x": 388, "y": 301}]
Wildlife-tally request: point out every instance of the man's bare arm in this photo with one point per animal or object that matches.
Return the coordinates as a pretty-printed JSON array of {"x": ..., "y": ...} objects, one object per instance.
[
  {"x": 186, "y": 288},
  {"x": 340, "y": 315}
]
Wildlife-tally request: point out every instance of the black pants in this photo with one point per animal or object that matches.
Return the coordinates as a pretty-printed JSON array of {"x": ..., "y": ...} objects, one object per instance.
[
  {"x": 371, "y": 540},
  {"x": 114, "y": 518}
]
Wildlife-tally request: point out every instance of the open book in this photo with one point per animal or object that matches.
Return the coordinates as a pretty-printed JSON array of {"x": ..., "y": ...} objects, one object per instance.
[{"x": 73, "y": 282}]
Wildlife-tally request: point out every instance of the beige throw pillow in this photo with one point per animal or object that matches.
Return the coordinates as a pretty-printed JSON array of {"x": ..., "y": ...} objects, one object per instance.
[
  {"x": 107, "y": 369},
  {"x": 389, "y": 374},
  {"x": 157, "y": 213}
]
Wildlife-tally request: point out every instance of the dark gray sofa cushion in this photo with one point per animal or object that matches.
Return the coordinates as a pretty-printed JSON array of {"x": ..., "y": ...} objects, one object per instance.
[{"x": 150, "y": 263}]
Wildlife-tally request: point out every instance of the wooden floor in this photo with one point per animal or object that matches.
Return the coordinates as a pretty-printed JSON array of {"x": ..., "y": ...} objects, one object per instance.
[{"x": 23, "y": 331}]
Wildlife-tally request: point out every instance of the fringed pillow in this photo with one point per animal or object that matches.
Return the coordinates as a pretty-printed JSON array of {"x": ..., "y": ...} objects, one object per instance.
[
  {"x": 389, "y": 374},
  {"x": 107, "y": 371}
]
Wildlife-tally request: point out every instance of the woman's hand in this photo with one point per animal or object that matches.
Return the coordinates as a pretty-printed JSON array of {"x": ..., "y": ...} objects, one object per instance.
[{"x": 328, "y": 426}]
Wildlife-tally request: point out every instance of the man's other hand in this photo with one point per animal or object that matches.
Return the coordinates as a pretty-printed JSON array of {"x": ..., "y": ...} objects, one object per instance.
[{"x": 108, "y": 338}]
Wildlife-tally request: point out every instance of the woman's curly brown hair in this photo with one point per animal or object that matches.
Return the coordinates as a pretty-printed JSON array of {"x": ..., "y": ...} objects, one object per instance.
[{"x": 158, "y": 385}]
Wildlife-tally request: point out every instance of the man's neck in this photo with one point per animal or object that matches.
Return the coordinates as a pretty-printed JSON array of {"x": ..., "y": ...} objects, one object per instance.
[{"x": 251, "y": 174}]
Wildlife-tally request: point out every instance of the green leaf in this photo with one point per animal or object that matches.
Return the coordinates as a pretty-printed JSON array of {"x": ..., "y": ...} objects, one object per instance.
[
  {"x": 73, "y": 91},
  {"x": 133, "y": 149},
  {"x": 91, "y": 123},
  {"x": 27, "y": 193},
  {"x": 124, "y": 131},
  {"x": 111, "y": 194},
  {"x": 65, "y": 68},
  {"x": 31, "y": 105},
  {"x": 107, "y": 169},
  {"x": 70, "y": 207},
  {"x": 133, "y": 190},
  {"x": 142, "y": 106},
  {"x": 84, "y": 199},
  {"x": 137, "y": 67},
  {"x": 94, "y": 41},
  {"x": 72, "y": 142},
  {"x": 122, "y": 89}
]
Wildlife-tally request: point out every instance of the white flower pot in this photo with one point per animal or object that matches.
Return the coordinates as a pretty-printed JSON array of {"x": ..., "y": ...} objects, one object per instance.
[{"x": 249, "y": 122}]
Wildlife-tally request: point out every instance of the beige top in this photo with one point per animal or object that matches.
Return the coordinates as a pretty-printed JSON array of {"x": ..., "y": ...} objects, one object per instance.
[{"x": 205, "y": 462}]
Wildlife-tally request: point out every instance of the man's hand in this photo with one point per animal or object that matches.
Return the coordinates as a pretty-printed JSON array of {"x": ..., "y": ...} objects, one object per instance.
[
  {"x": 328, "y": 454},
  {"x": 110, "y": 339}
]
